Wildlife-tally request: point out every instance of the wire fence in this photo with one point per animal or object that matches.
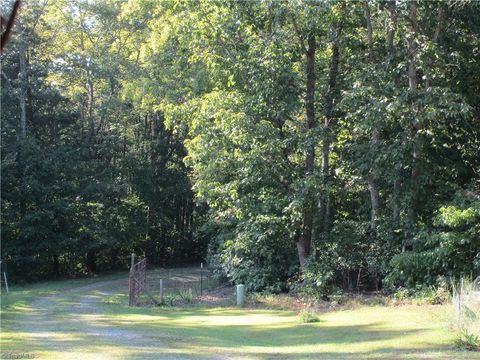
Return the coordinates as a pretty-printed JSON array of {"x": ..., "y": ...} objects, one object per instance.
[
  {"x": 466, "y": 302},
  {"x": 178, "y": 286}
]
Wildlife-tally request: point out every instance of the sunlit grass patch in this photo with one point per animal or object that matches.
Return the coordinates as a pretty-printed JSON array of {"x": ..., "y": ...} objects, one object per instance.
[{"x": 78, "y": 322}]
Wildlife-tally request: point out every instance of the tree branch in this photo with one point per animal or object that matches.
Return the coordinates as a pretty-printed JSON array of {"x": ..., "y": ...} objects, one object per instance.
[{"x": 297, "y": 31}]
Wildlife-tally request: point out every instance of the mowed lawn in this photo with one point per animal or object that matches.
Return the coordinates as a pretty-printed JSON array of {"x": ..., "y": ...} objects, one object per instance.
[{"x": 78, "y": 320}]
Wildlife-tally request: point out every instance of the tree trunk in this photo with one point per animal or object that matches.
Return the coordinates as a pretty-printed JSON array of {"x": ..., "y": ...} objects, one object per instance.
[
  {"x": 396, "y": 197},
  {"x": 374, "y": 199},
  {"x": 22, "y": 96},
  {"x": 412, "y": 85},
  {"x": 90, "y": 102},
  {"x": 325, "y": 201},
  {"x": 392, "y": 25},
  {"x": 304, "y": 242},
  {"x": 151, "y": 236},
  {"x": 412, "y": 68},
  {"x": 369, "y": 28},
  {"x": 56, "y": 267},
  {"x": 435, "y": 37},
  {"x": 372, "y": 179},
  {"x": 91, "y": 262}
]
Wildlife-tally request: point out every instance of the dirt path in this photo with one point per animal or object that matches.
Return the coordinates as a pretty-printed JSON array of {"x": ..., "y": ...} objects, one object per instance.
[
  {"x": 77, "y": 324},
  {"x": 71, "y": 325}
]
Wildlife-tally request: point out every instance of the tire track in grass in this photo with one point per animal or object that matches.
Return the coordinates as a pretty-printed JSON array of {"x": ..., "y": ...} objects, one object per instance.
[
  {"x": 72, "y": 325},
  {"x": 71, "y": 322}
]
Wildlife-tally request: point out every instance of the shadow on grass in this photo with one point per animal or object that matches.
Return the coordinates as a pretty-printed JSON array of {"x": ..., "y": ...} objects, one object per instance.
[
  {"x": 78, "y": 322},
  {"x": 178, "y": 333}
]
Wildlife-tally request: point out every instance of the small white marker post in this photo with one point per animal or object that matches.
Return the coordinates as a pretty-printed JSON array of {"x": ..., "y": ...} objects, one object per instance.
[{"x": 240, "y": 294}]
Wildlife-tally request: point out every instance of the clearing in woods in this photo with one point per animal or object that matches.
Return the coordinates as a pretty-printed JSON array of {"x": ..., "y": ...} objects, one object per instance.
[{"x": 89, "y": 319}]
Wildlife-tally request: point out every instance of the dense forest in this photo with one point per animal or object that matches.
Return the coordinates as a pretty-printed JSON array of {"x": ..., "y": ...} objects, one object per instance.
[{"x": 293, "y": 145}]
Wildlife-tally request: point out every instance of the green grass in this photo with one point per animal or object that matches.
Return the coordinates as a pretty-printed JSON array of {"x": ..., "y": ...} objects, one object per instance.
[
  {"x": 75, "y": 322},
  {"x": 26, "y": 293}
]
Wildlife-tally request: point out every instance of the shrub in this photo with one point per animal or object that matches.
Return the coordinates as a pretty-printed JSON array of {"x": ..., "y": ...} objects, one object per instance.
[
  {"x": 451, "y": 249},
  {"x": 256, "y": 252},
  {"x": 357, "y": 256},
  {"x": 308, "y": 316},
  {"x": 401, "y": 294},
  {"x": 377, "y": 301},
  {"x": 431, "y": 295},
  {"x": 315, "y": 281},
  {"x": 351, "y": 257}
]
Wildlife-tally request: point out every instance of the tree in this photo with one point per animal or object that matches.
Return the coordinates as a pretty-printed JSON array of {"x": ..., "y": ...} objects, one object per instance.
[{"x": 296, "y": 140}]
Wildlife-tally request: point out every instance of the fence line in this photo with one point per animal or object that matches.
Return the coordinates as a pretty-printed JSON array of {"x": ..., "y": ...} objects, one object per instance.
[
  {"x": 171, "y": 286},
  {"x": 136, "y": 280},
  {"x": 466, "y": 302}
]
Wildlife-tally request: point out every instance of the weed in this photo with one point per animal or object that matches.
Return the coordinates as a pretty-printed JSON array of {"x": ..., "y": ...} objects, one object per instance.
[
  {"x": 401, "y": 294},
  {"x": 308, "y": 316},
  {"x": 377, "y": 301},
  {"x": 468, "y": 341}
]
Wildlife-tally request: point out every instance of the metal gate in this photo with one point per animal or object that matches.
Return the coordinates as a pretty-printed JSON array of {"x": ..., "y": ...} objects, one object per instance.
[{"x": 136, "y": 281}]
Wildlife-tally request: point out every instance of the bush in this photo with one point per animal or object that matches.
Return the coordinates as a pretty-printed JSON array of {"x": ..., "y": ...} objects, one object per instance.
[
  {"x": 315, "y": 282},
  {"x": 357, "y": 256},
  {"x": 337, "y": 297},
  {"x": 401, "y": 294},
  {"x": 431, "y": 295},
  {"x": 377, "y": 301},
  {"x": 350, "y": 258},
  {"x": 451, "y": 249},
  {"x": 257, "y": 253},
  {"x": 308, "y": 316}
]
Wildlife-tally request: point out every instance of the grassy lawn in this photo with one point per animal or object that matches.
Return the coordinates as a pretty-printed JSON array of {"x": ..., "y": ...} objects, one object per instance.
[{"x": 73, "y": 320}]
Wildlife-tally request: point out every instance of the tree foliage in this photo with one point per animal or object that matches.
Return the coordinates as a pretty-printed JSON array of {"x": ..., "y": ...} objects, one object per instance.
[{"x": 317, "y": 143}]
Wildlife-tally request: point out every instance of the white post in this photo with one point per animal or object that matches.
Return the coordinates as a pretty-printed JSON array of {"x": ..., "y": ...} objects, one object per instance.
[{"x": 240, "y": 294}]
